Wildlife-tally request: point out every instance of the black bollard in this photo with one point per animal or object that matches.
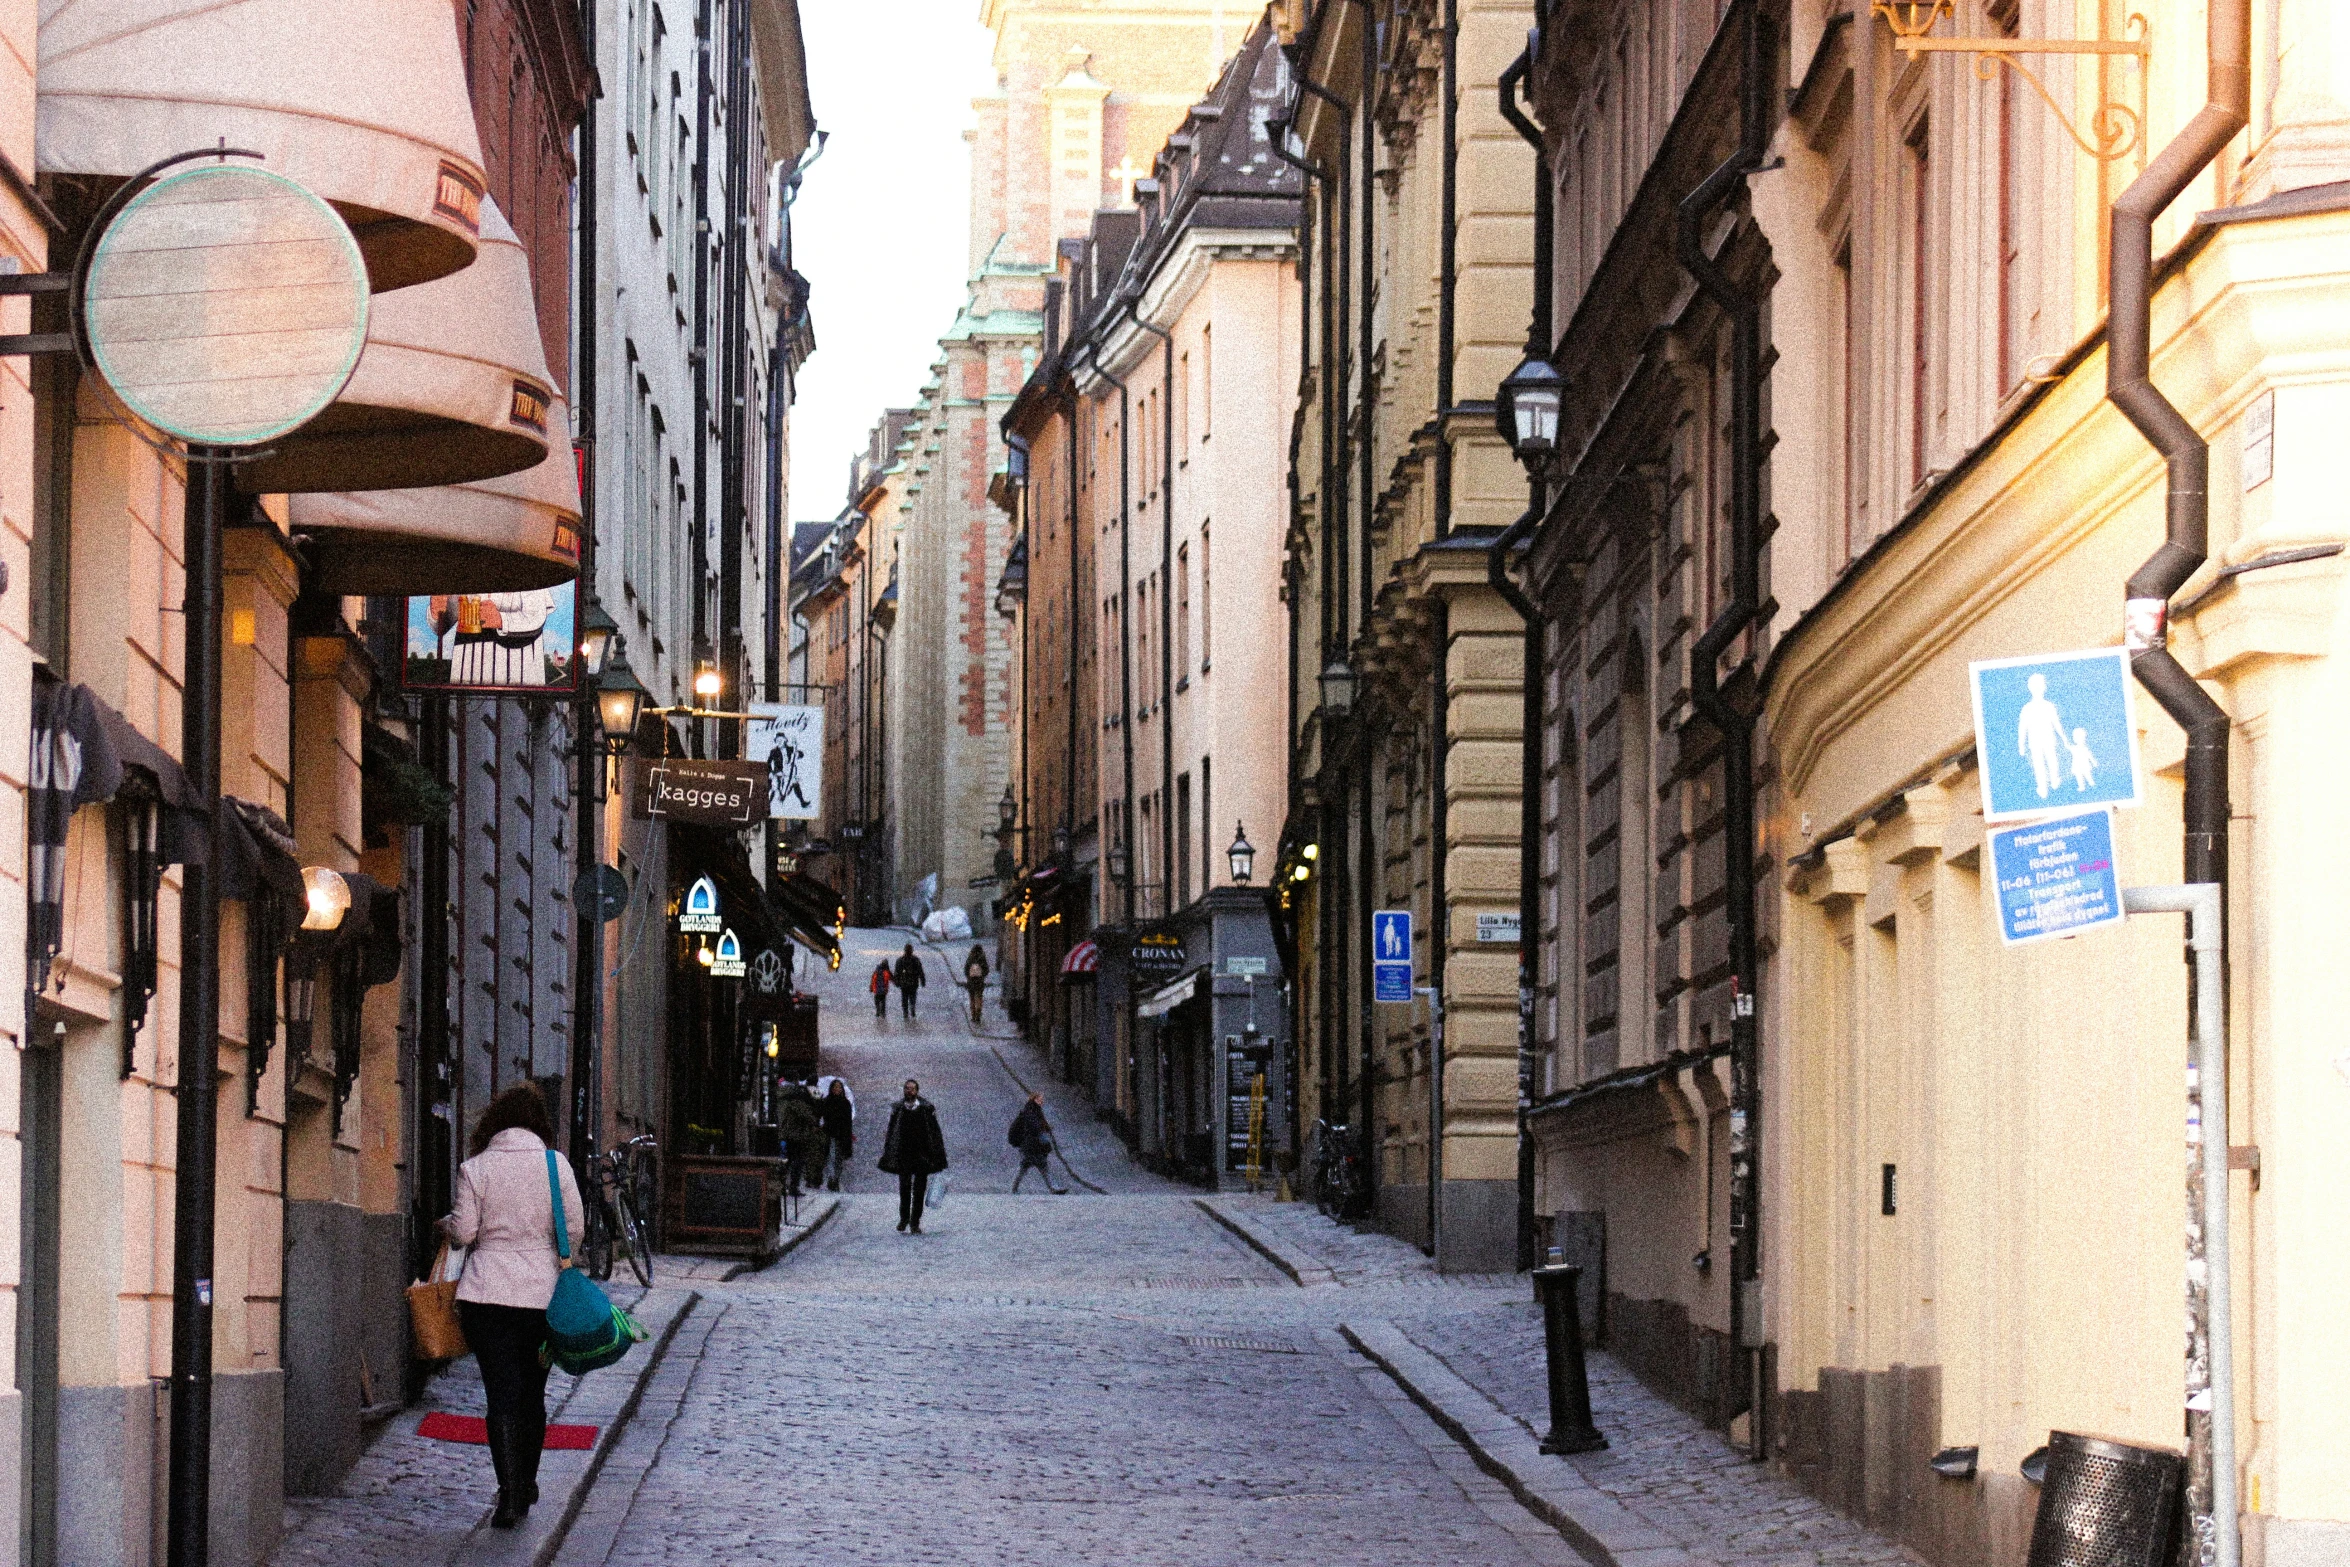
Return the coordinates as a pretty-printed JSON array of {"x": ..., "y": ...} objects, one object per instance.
[{"x": 1571, "y": 1431}]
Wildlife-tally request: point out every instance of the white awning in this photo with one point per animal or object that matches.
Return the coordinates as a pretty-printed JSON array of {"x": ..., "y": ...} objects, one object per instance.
[
  {"x": 363, "y": 101},
  {"x": 1170, "y": 996},
  {"x": 493, "y": 536},
  {"x": 452, "y": 389}
]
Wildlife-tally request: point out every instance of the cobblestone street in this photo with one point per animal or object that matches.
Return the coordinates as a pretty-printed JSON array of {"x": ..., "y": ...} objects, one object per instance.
[{"x": 1109, "y": 1377}]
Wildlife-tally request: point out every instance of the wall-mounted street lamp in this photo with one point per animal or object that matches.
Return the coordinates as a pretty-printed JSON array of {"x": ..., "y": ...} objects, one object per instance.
[
  {"x": 1117, "y": 863},
  {"x": 1007, "y": 813},
  {"x": 327, "y": 898},
  {"x": 2115, "y": 129},
  {"x": 620, "y": 698},
  {"x": 597, "y": 634},
  {"x": 1061, "y": 842},
  {"x": 707, "y": 685},
  {"x": 1526, "y": 410},
  {"x": 1243, "y": 854},
  {"x": 1338, "y": 687}
]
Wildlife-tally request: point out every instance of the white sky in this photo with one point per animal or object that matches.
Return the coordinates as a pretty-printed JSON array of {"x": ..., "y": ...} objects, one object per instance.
[{"x": 879, "y": 228}]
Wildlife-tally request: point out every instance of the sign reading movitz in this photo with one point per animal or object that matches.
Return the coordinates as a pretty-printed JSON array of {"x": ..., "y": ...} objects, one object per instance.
[
  {"x": 788, "y": 741},
  {"x": 711, "y": 794}
]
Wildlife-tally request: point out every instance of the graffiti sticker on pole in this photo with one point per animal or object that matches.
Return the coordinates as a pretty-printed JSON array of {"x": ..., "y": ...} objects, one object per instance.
[
  {"x": 2056, "y": 877},
  {"x": 2054, "y": 733}
]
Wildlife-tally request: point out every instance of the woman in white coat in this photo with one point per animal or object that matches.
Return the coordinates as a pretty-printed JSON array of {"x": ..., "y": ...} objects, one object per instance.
[{"x": 506, "y": 1216}]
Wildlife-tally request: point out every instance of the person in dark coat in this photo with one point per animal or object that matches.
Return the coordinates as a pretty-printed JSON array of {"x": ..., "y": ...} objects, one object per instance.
[
  {"x": 879, "y": 985},
  {"x": 801, "y": 1129},
  {"x": 910, "y": 979},
  {"x": 913, "y": 1149},
  {"x": 975, "y": 977},
  {"x": 1032, "y": 1134},
  {"x": 840, "y": 1131}
]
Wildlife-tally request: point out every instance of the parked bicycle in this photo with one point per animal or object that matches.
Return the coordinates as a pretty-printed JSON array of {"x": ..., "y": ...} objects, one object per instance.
[
  {"x": 1342, "y": 1189},
  {"x": 620, "y": 1187}
]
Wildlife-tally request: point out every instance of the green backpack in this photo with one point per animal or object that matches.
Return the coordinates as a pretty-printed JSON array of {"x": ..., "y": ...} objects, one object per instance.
[{"x": 585, "y": 1330}]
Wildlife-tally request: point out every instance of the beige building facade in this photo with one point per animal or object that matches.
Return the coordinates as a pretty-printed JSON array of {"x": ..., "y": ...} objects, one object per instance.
[
  {"x": 1405, "y": 783},
  {"x": 1957, "y": 1175}
]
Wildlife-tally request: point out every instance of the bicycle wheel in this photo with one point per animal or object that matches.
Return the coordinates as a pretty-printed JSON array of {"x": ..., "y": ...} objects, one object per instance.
[
  {"x": 632, "y": 1236},
  {"x": 595, "y": 1248}
]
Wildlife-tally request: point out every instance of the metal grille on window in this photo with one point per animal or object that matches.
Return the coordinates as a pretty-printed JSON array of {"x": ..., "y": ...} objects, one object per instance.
[{"x": 142, "y": 815}]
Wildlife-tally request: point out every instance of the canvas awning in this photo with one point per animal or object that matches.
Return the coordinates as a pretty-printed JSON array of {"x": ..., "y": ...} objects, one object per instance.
[
  {"x": 1172, "y": 995},
  {"x": 363, "y": 101},
  {"x": 498, "y": 535},
  {"x": 452, "y": 389}
]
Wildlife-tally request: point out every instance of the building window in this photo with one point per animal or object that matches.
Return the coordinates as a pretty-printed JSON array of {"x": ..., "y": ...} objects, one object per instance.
[
  {"x": 1207, "y": 604},
  {"x": 1847, "y": 390},
  {"x": 1183, "y": 419},
  {"x": 1918, "y": 172},
  {"x": 1207, "y": 382},
  {"x": 2014, "y": 333},
  {"x": 1182, "y": 839},
  {"x": 1182, "y": 616},
  {"x": 1207, "y": 824}
]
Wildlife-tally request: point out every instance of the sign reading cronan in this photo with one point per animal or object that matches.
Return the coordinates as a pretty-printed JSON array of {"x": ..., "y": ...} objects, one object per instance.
[{"x": 712, "y": 794}]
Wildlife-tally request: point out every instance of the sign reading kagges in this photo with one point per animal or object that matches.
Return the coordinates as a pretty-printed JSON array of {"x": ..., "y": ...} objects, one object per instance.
[{"x": 713, "y": 794}]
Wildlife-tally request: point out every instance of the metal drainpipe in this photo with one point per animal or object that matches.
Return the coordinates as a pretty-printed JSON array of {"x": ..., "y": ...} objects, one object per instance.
[
  {"x": 1069, "y": 766},
  {"x": 703, "y": 88},
  {"x": 1538, "y": 341},
  {"x": 1125, "y": 646},
  {"x": 1741, "y": 302},
  {"x": 733, "y": 361},
  {"x": 1166, "y": 604},
  {"x": 587, "y": 931},
  {"x": 1366, "y": 836},
  {"x": 2146, "y": 612},
  {"x": 1440, "y": 630}
]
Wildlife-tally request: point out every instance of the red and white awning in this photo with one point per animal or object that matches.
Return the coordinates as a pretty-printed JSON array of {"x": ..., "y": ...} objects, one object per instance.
[{"x": 1082, "y": 962}]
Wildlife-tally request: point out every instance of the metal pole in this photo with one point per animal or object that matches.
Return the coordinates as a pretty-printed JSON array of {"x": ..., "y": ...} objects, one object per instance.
[
  {"x": 1557, "y": 1288},
  {"x": 2207, "y": 1137},
  {"x": 588, "y": 930},
  {"x": 1435, "y": 995},
  {"x": 190, "y": 1518}
]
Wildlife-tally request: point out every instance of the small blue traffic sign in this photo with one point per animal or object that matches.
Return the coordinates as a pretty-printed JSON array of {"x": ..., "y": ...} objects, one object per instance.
[
  {"x": 2054, "y": 733},
  {"x": 1391, "y": 955},
  {"x": 2056, "y": 877}
]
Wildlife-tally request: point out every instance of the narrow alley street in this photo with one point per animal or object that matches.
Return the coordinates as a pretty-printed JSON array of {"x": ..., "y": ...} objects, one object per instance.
[{"x": 1061, "y": 1379}]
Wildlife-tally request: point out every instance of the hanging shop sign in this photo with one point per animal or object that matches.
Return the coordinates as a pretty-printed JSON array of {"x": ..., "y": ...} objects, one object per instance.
[
  {"x": 1156, "y": 957},
  {"x": 727, "y": 962},
  {"x": 493, "y": 643},
  {"x": 767, "y": 972},
  {"x": 225, "y": 305},
  {"x": 708, "y": 794},
  {"x": 788, "y": 741},
  {"x": 698, "y": 914}
]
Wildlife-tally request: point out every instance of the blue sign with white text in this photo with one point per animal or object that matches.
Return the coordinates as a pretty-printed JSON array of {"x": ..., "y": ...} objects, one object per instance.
[
  {"x": 2056, "y": 877},
  {"x": 1391, "y": 955},
  {"x": 2054, "y": 733}
]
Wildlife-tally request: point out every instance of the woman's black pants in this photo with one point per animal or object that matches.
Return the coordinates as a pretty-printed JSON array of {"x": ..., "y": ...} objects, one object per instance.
[{"x": 506, "y": 1342}]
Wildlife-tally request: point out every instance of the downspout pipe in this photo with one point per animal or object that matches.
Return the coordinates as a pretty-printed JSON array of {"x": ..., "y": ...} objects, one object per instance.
[
  {"x": 587, "y": 989},
  {"x": 2129, "y": 386},
  {"x": 1125, "y": 637},
  {"x": 1440, "y": 635},
  {"x": 1497, "y": 573},
  {"x": 1166, "y": 604},
  {"x": 1741, "y": 303},
  {"x": 1367, "y": 853}
]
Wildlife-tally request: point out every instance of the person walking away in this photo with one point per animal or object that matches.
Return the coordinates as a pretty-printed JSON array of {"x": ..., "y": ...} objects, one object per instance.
[
  {"x": 913, "y": 1149},
  {"x": 506, "y": 1216},
  {"x": 879, "y": 985},
  {"x": 910, "y": 979},
  {"x": 975, "y": 977},
  {"x": 1032, "y": 1134},
  {"x": 802, "y": 1131},
  {"x": 839, "y": 1114}
]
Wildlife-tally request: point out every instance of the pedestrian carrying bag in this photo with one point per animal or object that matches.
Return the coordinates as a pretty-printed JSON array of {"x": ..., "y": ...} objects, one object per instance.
[
  {"x": 432, "y": 1311},
  {"x": 935, "y": 1194},
  {"x": 584, "y": 1329}
]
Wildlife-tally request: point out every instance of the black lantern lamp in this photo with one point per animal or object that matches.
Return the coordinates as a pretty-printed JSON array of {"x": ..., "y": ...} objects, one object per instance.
[
  {"x": 1526, "y": 410},
  {"x": 597, "y": 633},
  {"x": 1007, "y": 813},
  {"x": 1117, "y": 862},
  {"x": 1338, "y": 687},
  {"x": 1061, "y": 841},
  {"x": 620, "y": 697},
  {"x": 1243, "y": 854},
  {"x": 708, "y": 684}
]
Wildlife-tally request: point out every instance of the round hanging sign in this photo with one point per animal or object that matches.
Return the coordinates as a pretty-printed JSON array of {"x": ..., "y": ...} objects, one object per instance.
[{"x": 225, "y": 305}]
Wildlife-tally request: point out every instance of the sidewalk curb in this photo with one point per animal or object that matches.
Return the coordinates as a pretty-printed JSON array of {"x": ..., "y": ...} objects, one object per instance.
[
  {"x": 592, "y": 1526},
  {"x": 535, "y": 1543},
  {"x": 805, "y": 1233},
  {"x": 1305, "y": 1271},
  {"x": 1602, "y": 1530}
]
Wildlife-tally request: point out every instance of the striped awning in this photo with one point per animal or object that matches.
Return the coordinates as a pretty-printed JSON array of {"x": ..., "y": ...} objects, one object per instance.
[
  {"x": 1168, "y": 997},
  {"x": 1083, "y": 961}
]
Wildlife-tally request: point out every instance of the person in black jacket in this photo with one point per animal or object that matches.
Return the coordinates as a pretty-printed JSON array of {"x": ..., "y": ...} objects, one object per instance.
[
  {"x": 975, "y": 977},
  {"x": 913, "y": 1149},
  {"x": 910, "y": 979},
  {"x": 839, "y": 1113},
  {"x": 1032, "y": 1134}
]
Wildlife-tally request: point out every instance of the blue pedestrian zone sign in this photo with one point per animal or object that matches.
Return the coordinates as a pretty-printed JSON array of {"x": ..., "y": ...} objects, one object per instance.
[
  {"x": 2053, "y": 733},
  {"x": 1391, "y": 955},
  {"x": 2056, "y": 877}
]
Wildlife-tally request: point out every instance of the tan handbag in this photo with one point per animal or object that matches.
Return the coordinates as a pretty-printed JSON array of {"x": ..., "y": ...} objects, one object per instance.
[{"x": 432, "y": 1312}]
